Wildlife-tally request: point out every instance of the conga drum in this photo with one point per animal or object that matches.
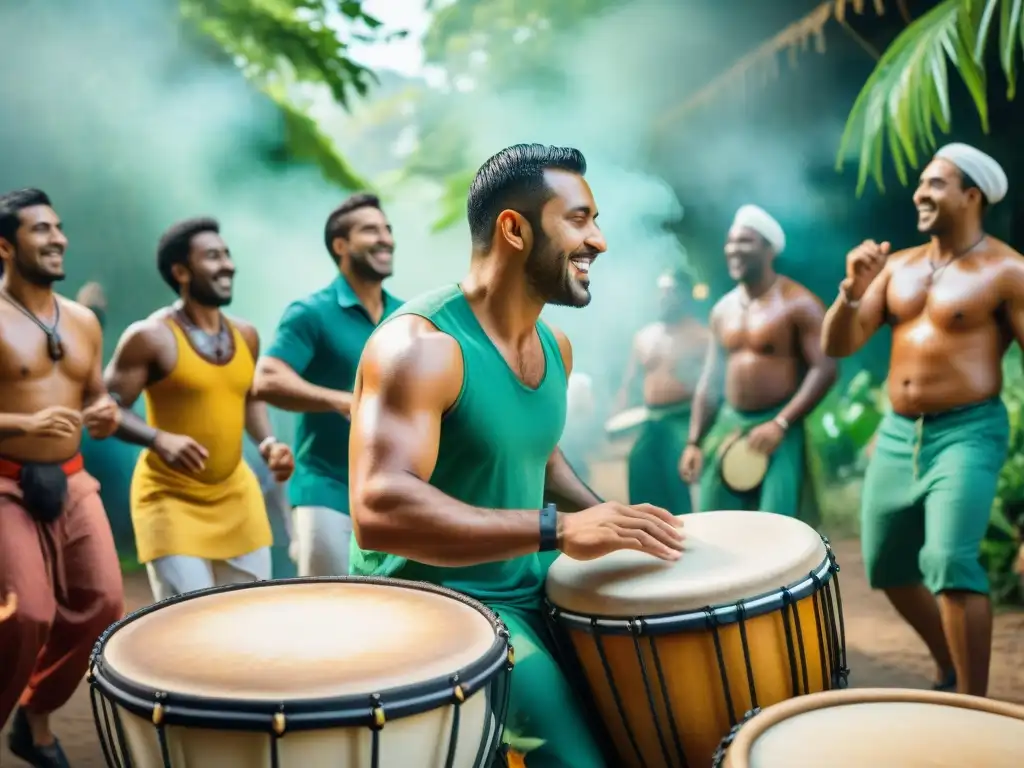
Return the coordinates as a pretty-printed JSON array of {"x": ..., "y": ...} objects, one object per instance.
[
  {"x": 674, "y": 654},
  {"x": 879, "y": 728},
  {"x": 741, "y": 467},
  {"x": 304, "y": 673}
]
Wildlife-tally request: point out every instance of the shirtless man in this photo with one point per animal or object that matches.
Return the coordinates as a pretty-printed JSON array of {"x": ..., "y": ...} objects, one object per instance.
[
  {"x": 954, "y": 304},
  {"x": 668, "y": 356},
  {"x": 767, "y": 334},
  {"x": 458, "y": 406},
  {"x": 58, "y": 564},
  {"x": 197, "y": 508}
]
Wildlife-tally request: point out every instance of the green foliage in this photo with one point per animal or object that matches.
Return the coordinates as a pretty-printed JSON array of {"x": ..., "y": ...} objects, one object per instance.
[
  {"x": 907, "y": 95},
  {"x": 282, "y": 43},
  {"x": 498, "y": 44}
]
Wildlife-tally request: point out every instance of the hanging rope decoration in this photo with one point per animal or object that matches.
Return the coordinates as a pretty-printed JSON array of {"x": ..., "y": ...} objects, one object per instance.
[{"x": 763, "y": 62}]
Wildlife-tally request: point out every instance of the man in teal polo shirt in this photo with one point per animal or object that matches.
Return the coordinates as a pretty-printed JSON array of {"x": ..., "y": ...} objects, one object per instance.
[{"x": 310, "y": 368}]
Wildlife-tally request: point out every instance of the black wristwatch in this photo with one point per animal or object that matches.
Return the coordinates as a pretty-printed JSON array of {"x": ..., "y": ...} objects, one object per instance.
[{"x": 548, "y": 528}]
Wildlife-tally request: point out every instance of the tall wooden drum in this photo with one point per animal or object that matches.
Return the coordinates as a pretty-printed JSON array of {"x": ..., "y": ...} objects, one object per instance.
[
  {"x": 675, "y": 654},
  {"x": 304, "y": 673},
  {"x": 887, "y": 728}
]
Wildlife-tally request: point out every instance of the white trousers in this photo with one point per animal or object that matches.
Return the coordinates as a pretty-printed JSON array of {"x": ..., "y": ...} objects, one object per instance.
[
  {"x": 322, "y": 535},
  {"x": 178, "y": 574}
]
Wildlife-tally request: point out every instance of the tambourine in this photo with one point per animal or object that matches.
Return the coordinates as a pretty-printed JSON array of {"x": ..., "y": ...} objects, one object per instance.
[
  {"x": 621, "y": 423},
  {"x": 741, "y": 467}
]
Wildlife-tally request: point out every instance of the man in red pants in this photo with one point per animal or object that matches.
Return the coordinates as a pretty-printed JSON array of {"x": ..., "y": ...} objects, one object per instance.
[{"x": 58, "y": 564}]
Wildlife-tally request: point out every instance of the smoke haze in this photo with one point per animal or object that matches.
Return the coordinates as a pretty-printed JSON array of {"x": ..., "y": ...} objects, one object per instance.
[{"x": 116, "y": 119}]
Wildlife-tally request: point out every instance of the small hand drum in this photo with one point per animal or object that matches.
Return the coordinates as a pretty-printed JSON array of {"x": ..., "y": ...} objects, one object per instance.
[
  {"x": 869, "y": 727},
  {"x": 621, "y": 424},
  {"x": 742, "y": 468}
]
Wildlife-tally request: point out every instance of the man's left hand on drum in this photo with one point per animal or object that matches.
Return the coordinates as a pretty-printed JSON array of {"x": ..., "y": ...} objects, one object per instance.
[{"x": 765, "y": 438}]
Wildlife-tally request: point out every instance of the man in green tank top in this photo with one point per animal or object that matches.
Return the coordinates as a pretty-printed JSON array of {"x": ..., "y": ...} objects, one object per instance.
[{"x": 457, "y": 410}]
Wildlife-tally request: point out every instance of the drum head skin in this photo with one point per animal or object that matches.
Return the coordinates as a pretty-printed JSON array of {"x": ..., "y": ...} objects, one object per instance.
[
  {"x": 887, "y": 728},
  {"x": 625, "y": 421},
  {"x": 280, "y": 641},
  {"x": 727, "y": 556},
  {"x": 742, "y": 467}
]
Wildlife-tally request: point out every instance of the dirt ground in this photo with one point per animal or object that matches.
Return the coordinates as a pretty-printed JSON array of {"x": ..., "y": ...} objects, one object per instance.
[{"x": 883, "y": 652}]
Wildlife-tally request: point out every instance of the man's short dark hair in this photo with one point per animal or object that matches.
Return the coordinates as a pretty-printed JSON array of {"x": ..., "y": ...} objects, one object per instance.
[
  {"x": 176, "y": 243},
  {"x": 11, "y": 205},
  {"x": 514, "y": 179},
  {"x": 339, "y": 224}
]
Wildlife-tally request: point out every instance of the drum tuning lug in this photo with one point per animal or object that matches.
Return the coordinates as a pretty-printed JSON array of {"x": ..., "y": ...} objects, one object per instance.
[
  {"x": 158, "y": 714},
  {"x": 460, "y": 695},
  {"x": 378, "y": 717},
  {"x": 279, "y": 723},
  {"x": 511, "y": 656}
]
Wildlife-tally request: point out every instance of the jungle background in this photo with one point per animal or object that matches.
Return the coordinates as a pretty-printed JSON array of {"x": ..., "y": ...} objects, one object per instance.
[{"x": 266, "y": 113}]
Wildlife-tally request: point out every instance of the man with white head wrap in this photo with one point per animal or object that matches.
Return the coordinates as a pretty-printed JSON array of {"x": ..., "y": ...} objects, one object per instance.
[
  {"x": 767, "y": 336},
  {"x": 954, "y": 304},
  {"x": 665, "y": 364}
]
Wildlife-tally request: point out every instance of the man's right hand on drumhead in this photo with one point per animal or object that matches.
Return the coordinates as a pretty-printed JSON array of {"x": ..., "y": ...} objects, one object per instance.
[{"x": 612, "y": 526}]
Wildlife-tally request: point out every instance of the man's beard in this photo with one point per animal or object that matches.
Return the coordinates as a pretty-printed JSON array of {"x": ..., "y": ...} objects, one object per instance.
[
  {"x": 364, "y": 268},
  {"x": 34, "y": 274},
  {"x": 206, "y": 297},
  {"x": 548, "y": 273}
]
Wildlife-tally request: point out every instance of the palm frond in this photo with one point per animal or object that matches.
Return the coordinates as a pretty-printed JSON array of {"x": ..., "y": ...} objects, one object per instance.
[
  {"x": 907, "y": 95},
  {"x": 305, "y": 141}
]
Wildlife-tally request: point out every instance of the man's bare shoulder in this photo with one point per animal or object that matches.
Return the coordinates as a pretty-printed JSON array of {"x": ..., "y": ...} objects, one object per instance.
[
  {"x": 799, "y": 296},
  {"x": 730, "y": 302},
  {"x": 151, "y": 331},
  {"x": 1008, "y": 264},
  {"x": 411, "y": 349},
  {"x": 79, "y": 314}
]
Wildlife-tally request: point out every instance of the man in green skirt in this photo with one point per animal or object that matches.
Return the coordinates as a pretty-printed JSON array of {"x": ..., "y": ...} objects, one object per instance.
[
  {"x": 954, "y": 304},
  {"x": 766, "y": 356},
  {"x": 459, "y": 403},
  {"x": 666, "y": 361}
]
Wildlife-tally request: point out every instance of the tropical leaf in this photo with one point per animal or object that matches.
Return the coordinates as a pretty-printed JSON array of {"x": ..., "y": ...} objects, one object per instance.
[
  {"x": 907, "y": 95},
  {"x": 260, "y": 35},
  {"x": 280, "y": 44},
  {"x": 305, "y": 141}
]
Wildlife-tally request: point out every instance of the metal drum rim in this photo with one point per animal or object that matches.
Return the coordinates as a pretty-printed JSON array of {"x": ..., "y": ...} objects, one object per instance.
[
  {"x": 762, "y": 604},
  {"x": 358, "y": 710}
]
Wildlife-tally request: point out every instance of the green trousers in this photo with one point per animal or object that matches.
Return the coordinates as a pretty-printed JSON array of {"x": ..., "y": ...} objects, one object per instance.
[
  {"x": 542, "y": 704},
  {"x": 928, "y": 495},
  {"x": 654, "y": 460},
  {"x": 787, "y": 488}
]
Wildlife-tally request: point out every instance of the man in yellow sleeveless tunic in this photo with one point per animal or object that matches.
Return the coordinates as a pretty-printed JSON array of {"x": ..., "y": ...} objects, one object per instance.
[{"x": 197, "y": 508}]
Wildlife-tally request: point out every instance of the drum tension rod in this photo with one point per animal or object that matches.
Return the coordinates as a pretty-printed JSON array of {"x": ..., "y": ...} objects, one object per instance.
[
  {"x": 279, "y": 722},
  {"x": 378, "y": 712}
]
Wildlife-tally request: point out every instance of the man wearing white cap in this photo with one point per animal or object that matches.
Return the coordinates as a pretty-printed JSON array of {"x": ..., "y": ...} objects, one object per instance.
[
  {"x": 954, "y": 304},
  {"x": 665, "y": 362},
  {"x": 767, "y": 336}
]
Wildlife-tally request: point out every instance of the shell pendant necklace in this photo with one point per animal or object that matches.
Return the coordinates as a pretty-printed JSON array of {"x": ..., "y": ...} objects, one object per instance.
[{"x": 54, "y": 345}]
